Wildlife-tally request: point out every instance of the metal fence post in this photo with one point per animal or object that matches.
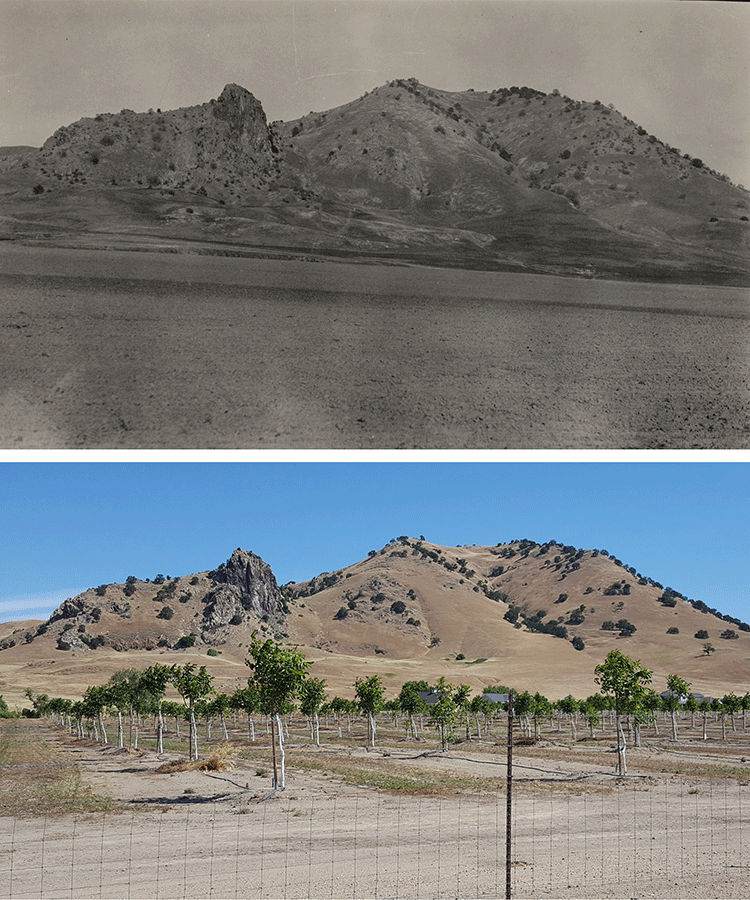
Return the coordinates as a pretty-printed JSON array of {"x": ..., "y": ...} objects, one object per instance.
[{"x": 509, "y": 799}]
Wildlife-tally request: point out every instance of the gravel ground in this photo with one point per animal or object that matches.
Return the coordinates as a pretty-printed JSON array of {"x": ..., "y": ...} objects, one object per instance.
[
  {"x": 578, "y": 831},
  {"x": 135, "y": 350}
]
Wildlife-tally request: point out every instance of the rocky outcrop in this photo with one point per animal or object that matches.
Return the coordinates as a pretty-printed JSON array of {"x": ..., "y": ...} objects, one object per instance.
[
  {"x": 245, "y": 584},
  {"x": 223, "y": 149}
]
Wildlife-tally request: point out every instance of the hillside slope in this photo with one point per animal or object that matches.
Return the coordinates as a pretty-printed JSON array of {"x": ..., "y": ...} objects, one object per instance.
[
  {"x": 512, "y": 178},
  {"x": 537, "y": 616}
]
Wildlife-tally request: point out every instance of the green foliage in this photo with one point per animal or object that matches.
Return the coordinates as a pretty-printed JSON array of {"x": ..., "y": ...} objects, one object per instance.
[
  {"x": 369, "y": 693},
  {"x": 624, "y": 679},
  {"x": 398, "y": 606},
  {"x": 443, "y": 712},
  {"x": 409, "y": 700},
  {"x": 187, "y": 640},
  {"x": 166, "y": 612},
  {"x": 312, "y": 696},
  {"x": 679, "y": 687},
  {"x": 278, "y": 673},
  {"x": 212, "y": 651},
  {"x": 701, "y": 634}
]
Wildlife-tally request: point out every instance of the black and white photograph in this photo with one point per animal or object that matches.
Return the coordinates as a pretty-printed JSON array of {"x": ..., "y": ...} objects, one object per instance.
[{"x": 374, "y": 225}]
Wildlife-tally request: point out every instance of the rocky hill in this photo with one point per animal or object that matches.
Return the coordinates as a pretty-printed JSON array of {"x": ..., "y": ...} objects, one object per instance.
[
  {"x": 512, "y": 178},
  {"x": 539, "y": 616}
]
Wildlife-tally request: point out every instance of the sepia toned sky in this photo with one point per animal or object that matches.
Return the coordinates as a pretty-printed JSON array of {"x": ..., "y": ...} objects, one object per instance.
[
  {"x": 679, "y": 69},
  {"x": 66, "y": 527}
]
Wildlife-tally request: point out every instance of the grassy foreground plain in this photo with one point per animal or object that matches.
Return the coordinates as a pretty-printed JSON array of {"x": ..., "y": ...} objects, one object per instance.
[
  {"x": 129, "y": 349},
  {"x": 400, "y": 820}
]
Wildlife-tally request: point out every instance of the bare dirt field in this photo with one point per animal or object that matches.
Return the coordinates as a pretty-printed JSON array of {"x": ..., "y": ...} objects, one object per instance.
[
  {"x": 118, "y": 349},
  {"x": 401, "y": 820}
]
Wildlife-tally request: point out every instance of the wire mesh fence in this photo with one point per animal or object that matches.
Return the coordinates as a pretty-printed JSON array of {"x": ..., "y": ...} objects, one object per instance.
[{"x": 650, "y": 836}]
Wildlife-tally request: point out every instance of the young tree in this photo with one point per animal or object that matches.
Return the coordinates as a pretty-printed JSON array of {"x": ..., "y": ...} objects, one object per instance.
[
  {"x": 191, "y": 686},
  {"x": 732, "y": 704},
  {"x": 247, "y": 700},
  {"x": 410, "y": 702},
  {"x": 625, "y": 680},
  {"x": 155, "y": 679},
  {"x": 680, "y": 690},
  {"x": 278, "y": 675},
  {"x": 95, "y": 701},
  {"x": 570, "y": 707},
  {"x": 443, "y": 712},
  {"x": 313, "y": 696},
  {"x": 369, "y": 693}
]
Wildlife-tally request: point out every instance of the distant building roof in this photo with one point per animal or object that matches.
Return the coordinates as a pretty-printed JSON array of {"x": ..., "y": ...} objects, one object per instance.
[{"x": 495, "y": 698}]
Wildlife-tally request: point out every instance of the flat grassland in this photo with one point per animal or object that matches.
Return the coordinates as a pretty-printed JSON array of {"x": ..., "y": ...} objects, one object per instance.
[
  {"x": 81, "y": 819},
  {"x": 119, "y": 349}
]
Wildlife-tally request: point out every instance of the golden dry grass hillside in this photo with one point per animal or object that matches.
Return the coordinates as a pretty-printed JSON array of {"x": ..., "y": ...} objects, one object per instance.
[{"x": 534, "y": 616}]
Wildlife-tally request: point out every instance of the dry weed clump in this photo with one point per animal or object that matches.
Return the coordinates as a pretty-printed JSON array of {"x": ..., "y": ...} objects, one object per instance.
[{"x": 221, "y": 760}]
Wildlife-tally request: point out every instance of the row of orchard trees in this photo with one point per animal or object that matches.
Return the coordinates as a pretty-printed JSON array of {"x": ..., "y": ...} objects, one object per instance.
[{"x": 280, "y": 678}]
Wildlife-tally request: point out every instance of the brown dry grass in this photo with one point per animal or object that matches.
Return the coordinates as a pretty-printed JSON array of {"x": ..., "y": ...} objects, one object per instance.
[
  {"x": 221, "y": 760},
  {"x": 40, "y": 775}
]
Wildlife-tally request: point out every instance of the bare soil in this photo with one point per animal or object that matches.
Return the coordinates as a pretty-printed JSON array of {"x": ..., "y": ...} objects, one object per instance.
[
  {"x": 116, "y": 349},
  {"x": 578, "y": 831}
]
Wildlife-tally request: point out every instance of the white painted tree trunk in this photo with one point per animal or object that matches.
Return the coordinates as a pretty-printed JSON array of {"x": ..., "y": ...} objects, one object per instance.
[{"x": 282, "y": 754}]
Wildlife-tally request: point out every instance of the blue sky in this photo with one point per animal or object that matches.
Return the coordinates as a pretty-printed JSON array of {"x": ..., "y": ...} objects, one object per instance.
[
  {"x": 67, "y": 526},
  {"x": 678, "y": 69}
]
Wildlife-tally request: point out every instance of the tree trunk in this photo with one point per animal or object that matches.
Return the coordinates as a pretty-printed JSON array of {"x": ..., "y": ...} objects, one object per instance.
[
  {"x": 317, "y": 730},
  {"x": 250, "y": 727},
  {"x": 102, "y": 729},
  {"x": 193, "y": 735},
  {"x": 120, "y": 736},
  {"x": 273, "y": 752},
  {"x": 674, "y": 725},
  {"x": 159, "y": 730},
  {"x": 281, "y": 752},
  {"x": 372, "y": 729},
  {"x": 622, "y": 768},
  {"x": 224, "y": 726}
]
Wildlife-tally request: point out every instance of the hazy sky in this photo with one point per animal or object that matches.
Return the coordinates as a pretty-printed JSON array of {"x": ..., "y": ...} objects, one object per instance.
[
  {"x": 69, "y": 526},
  {"x": 679, "y": 69}
]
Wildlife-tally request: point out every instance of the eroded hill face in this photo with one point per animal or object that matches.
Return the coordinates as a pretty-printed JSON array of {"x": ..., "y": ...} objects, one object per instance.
[
  {"x": 512, "y": 178},
  {"x": 537, "y": 616}
]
